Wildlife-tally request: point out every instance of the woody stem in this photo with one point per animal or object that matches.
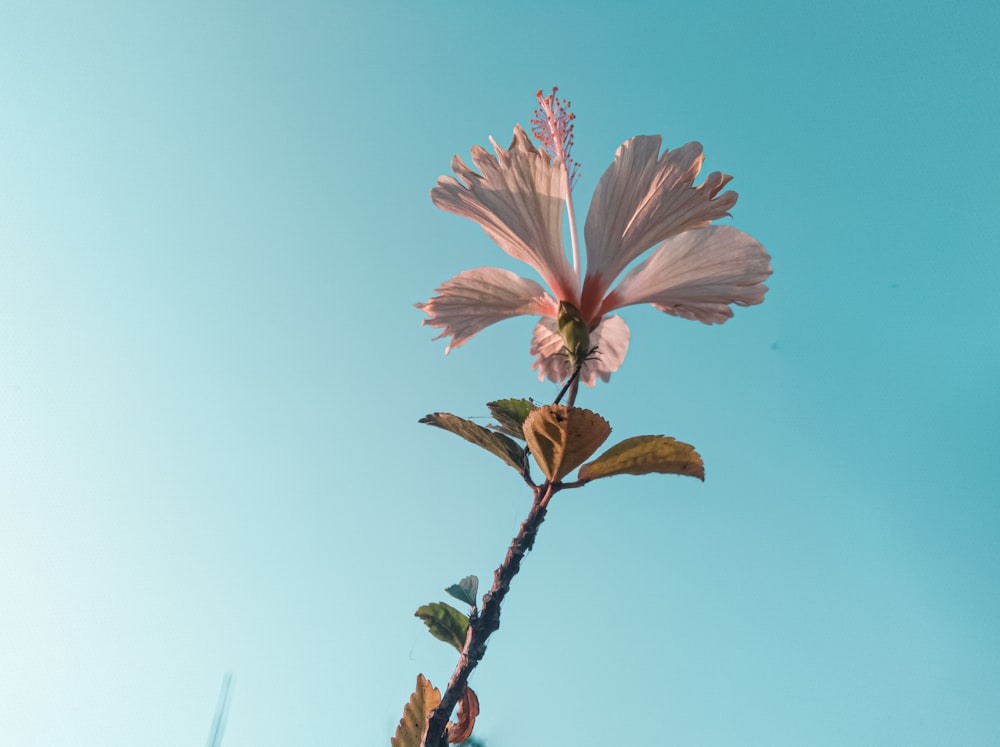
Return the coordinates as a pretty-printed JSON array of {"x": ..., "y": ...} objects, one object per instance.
[{"x": 487, "y": 621}]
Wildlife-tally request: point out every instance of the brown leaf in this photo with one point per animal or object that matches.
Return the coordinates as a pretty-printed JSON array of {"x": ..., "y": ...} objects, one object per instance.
[
  {"x": 562, "y": 438},
  {"x": 468, "y": 709},
  {"x": 411, "y": 727}
]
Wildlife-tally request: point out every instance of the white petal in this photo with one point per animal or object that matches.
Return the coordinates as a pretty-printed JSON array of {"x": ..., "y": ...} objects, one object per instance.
[
  {"x": 475, "y": 299},
  {"x": 518, "y": 199},
  {"x": 610, "y": 338},
  {"x": 642, "y": 199},
  {"x": 697, "y": 275}
]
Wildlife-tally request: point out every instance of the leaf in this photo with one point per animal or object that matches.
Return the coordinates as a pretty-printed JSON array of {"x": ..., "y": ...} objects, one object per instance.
[
  {"x": 465, "y": 590},
  {"x": 495, "y": 443},
  {"x": 468, "y": 709},
  {"x": 642, "y": 455},
  {"x": 561, "y": 438},
  {"x": 411, "y": 727},
  {"x": 510, "y": 414},
  {"x": 445, "y": 623}
]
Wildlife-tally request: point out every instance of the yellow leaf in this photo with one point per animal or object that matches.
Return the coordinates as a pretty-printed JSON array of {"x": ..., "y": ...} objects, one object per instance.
[
  {"x": 642, "y": 455},
  {"x": 411, "y": 727},
  {"x": 562, "y": 438}
]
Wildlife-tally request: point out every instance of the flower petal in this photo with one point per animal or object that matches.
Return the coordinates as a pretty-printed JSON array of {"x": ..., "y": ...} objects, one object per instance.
[
  {"x": 475, "y": 299},
  {"x": 548, "y": 347},
  {"x": 697, "y": 275},
  {"x": 518, "y": 199},
  {"x": 610, "y": 338},
  {"x": 642, "y": 199}
]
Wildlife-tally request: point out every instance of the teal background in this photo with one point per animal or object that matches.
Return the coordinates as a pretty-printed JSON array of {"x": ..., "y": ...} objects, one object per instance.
[{"x": 214, "y": 221}]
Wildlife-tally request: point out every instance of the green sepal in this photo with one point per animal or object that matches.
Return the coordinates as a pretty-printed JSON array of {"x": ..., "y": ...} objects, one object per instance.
[
  {"x": 510, "y": 415},
  {"x": 445, "y": 623},
  {"x": 495, "y": 443},
  {"x": 575, "y": 333},
  {"x": 642, "y": 455},
  {"x": 465, "y": 590}
]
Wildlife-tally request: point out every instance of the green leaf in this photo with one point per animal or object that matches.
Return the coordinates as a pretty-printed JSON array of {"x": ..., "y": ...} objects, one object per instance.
[
  {"x": 642, "y": 455},
  {"x": 510, "y": 414},
  {"x": 411, "y": 727},
  {"x": 445, "y": 623},
  {"x": 561, "y": 437},
  {"x": 465, "y": 590},
  {"x": 495, "y": 443}
]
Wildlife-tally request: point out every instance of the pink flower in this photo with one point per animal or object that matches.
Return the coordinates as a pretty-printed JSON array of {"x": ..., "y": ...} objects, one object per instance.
[{"x": 644, "y": 200}]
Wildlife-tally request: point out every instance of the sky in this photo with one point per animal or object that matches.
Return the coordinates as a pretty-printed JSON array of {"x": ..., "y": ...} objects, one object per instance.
[{"x": 214, "y": 223}]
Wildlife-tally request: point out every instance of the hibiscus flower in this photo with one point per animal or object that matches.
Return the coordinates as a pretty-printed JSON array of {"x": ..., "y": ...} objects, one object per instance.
[{"x": 645, "y": 199}]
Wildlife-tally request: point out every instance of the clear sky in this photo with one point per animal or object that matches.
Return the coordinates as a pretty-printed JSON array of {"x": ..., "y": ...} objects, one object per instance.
[{"x": 214, "y": 221}]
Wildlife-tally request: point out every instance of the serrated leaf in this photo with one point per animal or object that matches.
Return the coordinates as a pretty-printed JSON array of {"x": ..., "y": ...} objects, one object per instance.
[
  {"x": 445, "y": 623},
  {"x": 510, "y": 415},
  {"x": 642, "y": 455},
  {"x": 468, "y": 709},
  {"x": 562, "y": 438},
  {"x": 465, "y": 590},
  {"x": 414, "y": 722},
  {"x": 495, "y": 443}
]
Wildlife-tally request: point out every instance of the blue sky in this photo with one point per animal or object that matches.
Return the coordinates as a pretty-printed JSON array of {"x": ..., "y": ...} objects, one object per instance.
[{"x": 214, "y": 221}]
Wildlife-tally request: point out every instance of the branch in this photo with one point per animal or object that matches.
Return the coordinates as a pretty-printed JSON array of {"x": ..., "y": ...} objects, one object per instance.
[{"x": 487, "y": 620}]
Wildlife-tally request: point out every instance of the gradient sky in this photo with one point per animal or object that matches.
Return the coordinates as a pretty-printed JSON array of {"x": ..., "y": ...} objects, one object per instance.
[{"x": 214, "y": 221}]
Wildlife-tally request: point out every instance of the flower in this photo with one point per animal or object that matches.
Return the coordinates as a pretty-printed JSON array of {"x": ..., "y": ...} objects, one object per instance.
[{"x": 645, "y": 199}]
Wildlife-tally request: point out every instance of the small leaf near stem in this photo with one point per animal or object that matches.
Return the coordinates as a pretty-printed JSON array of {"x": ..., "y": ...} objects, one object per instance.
[
  {"x": 445, "y": 623},
  {"x": 465, "y": 590}
]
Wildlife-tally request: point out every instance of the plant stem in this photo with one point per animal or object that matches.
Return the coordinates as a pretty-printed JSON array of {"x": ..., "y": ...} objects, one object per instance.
[
  {"x": 572, "y": 384},
  {"x": 487, "y": 620}
]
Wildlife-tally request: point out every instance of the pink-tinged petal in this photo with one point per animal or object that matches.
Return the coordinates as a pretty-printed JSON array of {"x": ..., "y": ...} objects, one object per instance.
[
  {"x": 550, "y": 351},
  {"x": 475, "y": 299},
  {"x": 518, "y": 198},
  {"x": 610, "y": 338},
  {"x": 642, "y": 199},
  {"x": 697, "y": 275}
]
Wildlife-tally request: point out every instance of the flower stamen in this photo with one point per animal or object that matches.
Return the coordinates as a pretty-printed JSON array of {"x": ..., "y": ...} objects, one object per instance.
[{"x": 553, "y": 126}]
